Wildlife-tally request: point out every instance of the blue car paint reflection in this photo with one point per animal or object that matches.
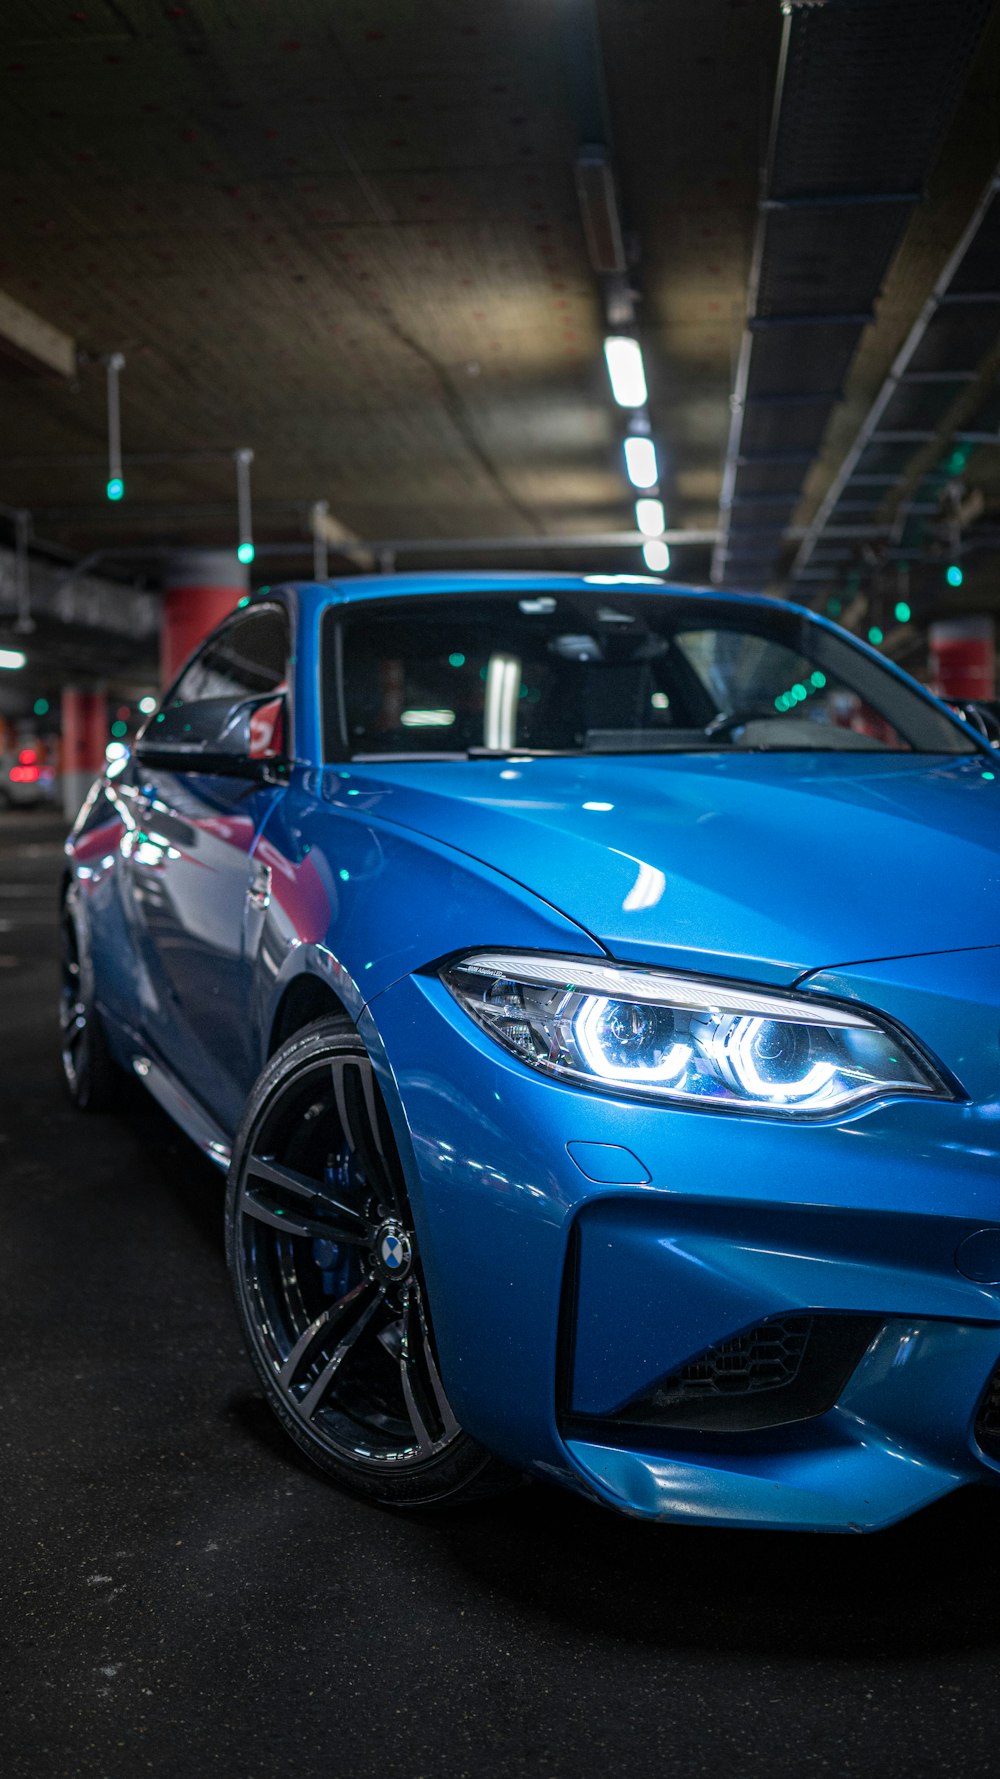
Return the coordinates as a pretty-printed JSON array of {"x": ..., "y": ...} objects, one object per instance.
[{"x": 582, "y": 1247}]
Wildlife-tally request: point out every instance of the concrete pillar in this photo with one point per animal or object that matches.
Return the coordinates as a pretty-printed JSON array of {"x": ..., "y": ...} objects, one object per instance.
[
  {"x": 963, "y": 658},
  {"x": 84, "y": 738},
  {"x": 199, "y": 588}
]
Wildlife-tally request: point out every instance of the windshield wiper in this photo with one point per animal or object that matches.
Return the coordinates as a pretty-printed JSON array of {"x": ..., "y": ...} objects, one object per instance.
[
  {"x": 467, "y": 753},
  {"x": 520, "y": 753},
  {"x": 409, "y": 753}
]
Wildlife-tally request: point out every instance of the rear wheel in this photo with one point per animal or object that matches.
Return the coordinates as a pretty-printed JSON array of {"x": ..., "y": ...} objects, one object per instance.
[
  {"x": 329, "y": 1285},
  {"x": 89, "y": 1071}
]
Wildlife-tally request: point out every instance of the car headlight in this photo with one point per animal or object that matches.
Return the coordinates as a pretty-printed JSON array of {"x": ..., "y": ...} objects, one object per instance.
[{"x": 686, "y": 1039}]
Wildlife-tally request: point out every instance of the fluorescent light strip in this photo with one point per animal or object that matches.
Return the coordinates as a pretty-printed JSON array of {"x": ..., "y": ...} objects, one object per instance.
[
  {"x": 656, "y": 555},
  {"x": 427, "y": 719},
  {"x": 650, "y": 518},
  {"x": 503, "y": 689},
  {"x": 625, "y": 368},
  {"x": 640, "y": 462}
]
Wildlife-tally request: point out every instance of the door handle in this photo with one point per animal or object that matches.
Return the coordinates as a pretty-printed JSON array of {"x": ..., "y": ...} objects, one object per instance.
[{"x": 259, "y": 887}]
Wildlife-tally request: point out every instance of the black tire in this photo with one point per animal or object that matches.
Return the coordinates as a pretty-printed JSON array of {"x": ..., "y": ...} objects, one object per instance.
[
  {"x": 93, "y": 1079},
  {"x": 328, "y": 1283}
]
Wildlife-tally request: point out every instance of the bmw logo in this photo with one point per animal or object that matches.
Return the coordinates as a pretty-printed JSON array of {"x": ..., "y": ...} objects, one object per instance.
[{"x": 394, "y": 1250}]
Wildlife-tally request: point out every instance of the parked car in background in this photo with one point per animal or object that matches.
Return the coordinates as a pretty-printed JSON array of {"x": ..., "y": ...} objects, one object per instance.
[
  {"x": 593, "y": 989},
  {"x": 27, "y": 780}
]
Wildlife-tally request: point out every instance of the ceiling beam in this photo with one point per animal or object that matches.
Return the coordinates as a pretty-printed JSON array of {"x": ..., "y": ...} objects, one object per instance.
[
  {"x": 898, "y": 370},
  {"x": 27, "y": 337}
]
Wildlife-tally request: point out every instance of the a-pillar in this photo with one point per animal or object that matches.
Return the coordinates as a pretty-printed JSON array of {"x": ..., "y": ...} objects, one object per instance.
[
  {"x": 199, "y": 588},
  {"x": 84, "y": 738},
  {"x": 963, "y": 658}
]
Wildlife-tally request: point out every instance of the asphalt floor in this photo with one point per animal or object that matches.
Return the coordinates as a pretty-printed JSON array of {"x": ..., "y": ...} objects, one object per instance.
[{"x": 181, "y": 1594}]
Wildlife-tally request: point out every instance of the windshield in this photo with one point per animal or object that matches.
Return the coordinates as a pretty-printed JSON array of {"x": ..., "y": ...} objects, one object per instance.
[{"x": 607, "y": 672}]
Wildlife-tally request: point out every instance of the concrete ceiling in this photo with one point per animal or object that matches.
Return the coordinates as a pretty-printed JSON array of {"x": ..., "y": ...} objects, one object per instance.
[{"x": 349, "y": 238}]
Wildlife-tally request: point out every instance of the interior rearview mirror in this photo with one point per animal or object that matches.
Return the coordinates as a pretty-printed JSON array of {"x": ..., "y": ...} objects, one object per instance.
[{"x": 982, "y": 714}]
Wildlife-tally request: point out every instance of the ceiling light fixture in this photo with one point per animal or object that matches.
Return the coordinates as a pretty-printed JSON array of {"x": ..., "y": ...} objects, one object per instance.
[
  {"x": 656, "y": 555},
  {"x": 649, "y": 517},
  {"x": 115, "y": 364},
  {"x": 245, "y": 550},
  {"x": 625, "y": 369},
  {"x": 12, "y": 658},
  {"x": 598, "y": 199},
  {"x": 640, "y": 462}
]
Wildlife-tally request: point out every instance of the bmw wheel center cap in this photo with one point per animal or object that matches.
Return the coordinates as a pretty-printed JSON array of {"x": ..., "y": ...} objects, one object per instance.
[{"x": 394, "y": 1250}]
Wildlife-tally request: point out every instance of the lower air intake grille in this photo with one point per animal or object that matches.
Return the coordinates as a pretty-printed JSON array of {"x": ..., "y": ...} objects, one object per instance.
[
  {"x": 765, "y": 1358},
  {"x": 789, "y": 1368},
  {"x": 988, "y": 1419}
]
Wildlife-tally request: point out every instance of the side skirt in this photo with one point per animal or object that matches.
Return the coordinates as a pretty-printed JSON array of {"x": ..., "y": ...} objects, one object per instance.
[{"x": 194, "y": 1121}]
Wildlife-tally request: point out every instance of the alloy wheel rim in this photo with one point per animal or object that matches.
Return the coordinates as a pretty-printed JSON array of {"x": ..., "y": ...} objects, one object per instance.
[{"x": 329, "y": 1271}]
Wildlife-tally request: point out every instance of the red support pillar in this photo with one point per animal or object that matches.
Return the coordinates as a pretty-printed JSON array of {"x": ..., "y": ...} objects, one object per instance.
[
  {"x": 199, "y": 588},
  {"x": 963, "y": 659},
  {"x": 84, "y": 738}
]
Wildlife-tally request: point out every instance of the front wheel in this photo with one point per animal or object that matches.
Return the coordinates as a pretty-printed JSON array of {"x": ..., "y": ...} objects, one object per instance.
[
  {"x": 329, "y": 1286},
  {"x": 89, "y": 1070}
]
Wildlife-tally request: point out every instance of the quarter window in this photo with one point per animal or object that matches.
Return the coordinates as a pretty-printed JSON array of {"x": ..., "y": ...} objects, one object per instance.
[{"x": 246, "y": 659}]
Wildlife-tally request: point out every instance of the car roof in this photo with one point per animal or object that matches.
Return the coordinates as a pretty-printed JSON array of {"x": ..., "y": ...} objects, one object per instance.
[{"x": 400, "y": 586}]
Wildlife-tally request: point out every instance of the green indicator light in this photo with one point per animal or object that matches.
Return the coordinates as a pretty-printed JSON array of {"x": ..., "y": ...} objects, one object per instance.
[
  {"x": 954, "y": 575},
  {"x": 118, "y": 730},
  {"x": 245, "y": 553},
  {"x": 989, "y": 775},
  {"x": 115, "y": 488},
  {"x": 903, "y": 613},
  {"x": 345, "y": 876},
  {"x": 799, "y": 691},
  {"x": 41, "y": 707},
  {"x": 781, "y": 702},
  {"x": 244, "y": 601},
  {"x": 456, "y": 660},
  {"x": 875, "y": 636},
  {"x": 818, "y": 679},
  {"x": 834, "y": 608}
]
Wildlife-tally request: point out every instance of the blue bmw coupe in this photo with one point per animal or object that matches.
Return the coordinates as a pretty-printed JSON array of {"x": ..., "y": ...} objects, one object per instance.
[{"x": 593, "y": 990}]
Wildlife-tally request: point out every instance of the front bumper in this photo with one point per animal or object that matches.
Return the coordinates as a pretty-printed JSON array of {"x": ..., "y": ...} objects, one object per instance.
[{"x": 561, "y": 1301}]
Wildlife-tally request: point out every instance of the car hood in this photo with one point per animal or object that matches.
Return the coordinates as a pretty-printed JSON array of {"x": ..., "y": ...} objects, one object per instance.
[{"x": 768, "y": 864}]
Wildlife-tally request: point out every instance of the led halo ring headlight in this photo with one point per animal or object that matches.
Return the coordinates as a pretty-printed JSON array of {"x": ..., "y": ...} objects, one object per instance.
[{"x": 687, "y": 1039}]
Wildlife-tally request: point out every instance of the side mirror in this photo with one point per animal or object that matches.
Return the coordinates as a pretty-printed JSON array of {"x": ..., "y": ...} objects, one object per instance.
[{"x": 216, "y": 735}]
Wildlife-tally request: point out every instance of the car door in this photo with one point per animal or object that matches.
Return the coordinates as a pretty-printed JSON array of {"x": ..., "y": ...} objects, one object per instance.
[{"x": 207, "y": 777}]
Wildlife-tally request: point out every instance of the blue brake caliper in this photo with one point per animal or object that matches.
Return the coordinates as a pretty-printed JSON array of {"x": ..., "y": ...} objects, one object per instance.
[{"x": 337, "y": 1261}]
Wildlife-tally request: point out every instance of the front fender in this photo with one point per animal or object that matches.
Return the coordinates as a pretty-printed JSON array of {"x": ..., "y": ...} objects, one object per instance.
[{"x": 360, "y": 904}]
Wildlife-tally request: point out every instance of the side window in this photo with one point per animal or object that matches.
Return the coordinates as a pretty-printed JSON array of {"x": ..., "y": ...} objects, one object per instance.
[{"x": 246, "y": 659}]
